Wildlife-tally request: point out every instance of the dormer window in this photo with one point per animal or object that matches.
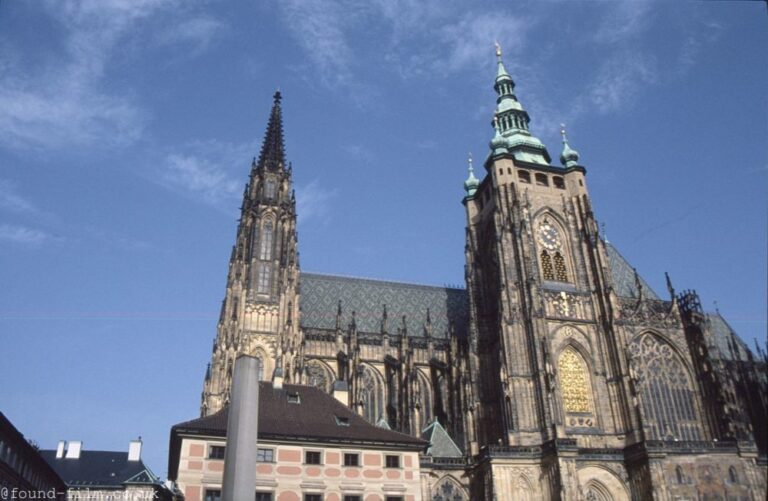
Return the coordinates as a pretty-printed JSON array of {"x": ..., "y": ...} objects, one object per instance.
[
  {"x": 342, "y": 421},
  {"x": 293, "y": 398}
]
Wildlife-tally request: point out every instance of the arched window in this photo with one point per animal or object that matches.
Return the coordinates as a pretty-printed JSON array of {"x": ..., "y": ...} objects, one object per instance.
[
  {"x": 266, "y": 242},
  {"x": 447, "y": 489},
  {"x": 667, "y": 398},
  {"x": 679, "y": 474},
  {"x": 260, "y": 368},
  {"x": 269, "y": 189},
  {"x": 574, "y": 381},
  {"x": 319, "y": 376},
  {"x": 371, "y": 394},
  {"x": 561, "y": 273},
  {"x": 262, "y": 287},
  {"x": 733, "y": 477},
  {"x": 552, "y": 256},
  {"x": 547, "y": 272}
]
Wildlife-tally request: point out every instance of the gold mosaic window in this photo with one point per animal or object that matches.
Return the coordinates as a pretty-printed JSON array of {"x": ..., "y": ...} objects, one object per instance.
[
  {"x": 574, "y": 382},
  {"x": 561, "y": 273},
  {"x": 546, "y": 266}
]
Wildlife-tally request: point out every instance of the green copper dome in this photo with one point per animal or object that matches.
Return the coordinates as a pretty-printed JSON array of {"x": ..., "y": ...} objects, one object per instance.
[
  {"x": 569, "y": 157},
  {"x": 471, "y": 184}
]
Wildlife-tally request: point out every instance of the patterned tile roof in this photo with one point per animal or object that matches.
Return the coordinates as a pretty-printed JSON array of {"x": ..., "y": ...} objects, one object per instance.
[
  {"x": 320, "y": 295},
  {"x": 624, "y": 276}
]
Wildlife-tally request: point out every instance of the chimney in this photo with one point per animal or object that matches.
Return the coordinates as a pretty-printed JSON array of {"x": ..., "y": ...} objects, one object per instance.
[
  {"x": 341, "y": 391},
  {"x": 60, "y": 449},
  {"x": 73, "y": 451},
  {"x": 242, "y": 426},
  {"x": 134, "y": 450}
]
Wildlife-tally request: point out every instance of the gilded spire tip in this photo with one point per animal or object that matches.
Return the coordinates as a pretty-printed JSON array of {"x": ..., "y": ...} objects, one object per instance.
[{"x": 498, "y": 49}]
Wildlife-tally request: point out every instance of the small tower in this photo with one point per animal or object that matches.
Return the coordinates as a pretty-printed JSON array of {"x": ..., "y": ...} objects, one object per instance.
[{"x": 259, "y": 316}]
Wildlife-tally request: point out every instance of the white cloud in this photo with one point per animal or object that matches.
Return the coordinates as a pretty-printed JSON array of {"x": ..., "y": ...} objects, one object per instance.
[
  {"x": 312, "y": 202},
  {"x": 11, "y": 200},
  {"x": 623, "y": 20},
  {"x": 319, "y": 26},
  {"x": 200, "y": 178},
  {"x": 197, "y": 31},
  {"x": 471, "y": 40},
  {"x": 620, "y": 79},
  {"x": 65, "y": 102},
  {"x": 22, "y": 235}
]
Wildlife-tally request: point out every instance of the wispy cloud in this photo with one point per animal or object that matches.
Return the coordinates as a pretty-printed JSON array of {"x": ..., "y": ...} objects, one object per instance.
[
  {"x": 12, "y": 200},
  {"x": 319, "y": 27},
  {"x": 200, "y": 178},
  {"x": 313, "y": 202},
  {"x": 620, "y": 79},
  {"x": 197, "y": 32},
  {"x": 623, "y": 20},
  {"x": 67, "y": 101},
  {"x": 22, "y": 235},
  {"x": 471, "y": 39}
]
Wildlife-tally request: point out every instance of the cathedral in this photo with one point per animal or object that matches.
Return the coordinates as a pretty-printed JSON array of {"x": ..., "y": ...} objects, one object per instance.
[{"x": 557, "y": 373}]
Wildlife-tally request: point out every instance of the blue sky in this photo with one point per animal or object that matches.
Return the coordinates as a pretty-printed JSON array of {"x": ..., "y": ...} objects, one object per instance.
[{"x": 127, "y": 129}]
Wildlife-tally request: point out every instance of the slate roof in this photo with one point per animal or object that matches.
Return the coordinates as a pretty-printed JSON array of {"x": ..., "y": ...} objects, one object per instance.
[
  {"x": 624, "y": 276},
  {"x": 313, "y": 419},
  {"x": 100, "y": 469},
  {"x": 320, "y": 295},
  {"x": 441, "y": 444},
  {"x": 721, "y": 336}
]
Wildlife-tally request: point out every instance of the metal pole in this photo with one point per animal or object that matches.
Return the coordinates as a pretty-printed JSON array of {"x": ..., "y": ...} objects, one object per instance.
[{"x": 242, "y": 432}]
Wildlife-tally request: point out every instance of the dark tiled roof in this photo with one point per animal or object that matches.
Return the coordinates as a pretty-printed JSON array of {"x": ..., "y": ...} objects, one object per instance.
[
  {"x": 624, "y": 276},
  {"x": 721, "y": 335},
  {"x": 312, "y": 419},
  {"x": 103, "y": 469},
  {"x": 320, "y": 295}
]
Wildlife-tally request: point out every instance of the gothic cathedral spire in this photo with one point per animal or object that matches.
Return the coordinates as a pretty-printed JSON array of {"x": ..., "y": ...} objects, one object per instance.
[{"x": 259, "y": 315}]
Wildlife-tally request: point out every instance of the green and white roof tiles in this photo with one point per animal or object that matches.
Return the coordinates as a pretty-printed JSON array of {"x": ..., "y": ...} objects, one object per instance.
[
  {"x": 440, "y": 443},
  {"x": 320, "y": 296}
]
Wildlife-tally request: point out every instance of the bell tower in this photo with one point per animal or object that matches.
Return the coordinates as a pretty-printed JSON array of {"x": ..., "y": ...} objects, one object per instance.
[
  {"x": 544, "y": 361},
  {"x": 259, "y": 314}
]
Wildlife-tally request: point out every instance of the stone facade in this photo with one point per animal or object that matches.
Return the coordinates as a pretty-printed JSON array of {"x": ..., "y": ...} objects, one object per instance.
[{"x": 557, "y": 371}]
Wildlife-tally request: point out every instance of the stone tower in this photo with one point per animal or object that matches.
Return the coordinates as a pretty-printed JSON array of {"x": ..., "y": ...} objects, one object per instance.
[
  {"x": 259, "y": 314},
  {"x": 560, "y": 364}
]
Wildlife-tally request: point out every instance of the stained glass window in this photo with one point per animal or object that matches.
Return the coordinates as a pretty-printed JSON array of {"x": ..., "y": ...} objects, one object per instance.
[
  {"x": 666, "y": 393},
  {"x": 263, "y": 285}
]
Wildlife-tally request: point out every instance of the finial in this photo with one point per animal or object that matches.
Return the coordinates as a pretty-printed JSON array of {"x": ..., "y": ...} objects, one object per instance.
[
  {"x": 278, "y": 96},
  {"x": 469, "y": 160},
  {"x": 498, "y": 49},
  {"x": 562, "y": 133},
  {"x": 605, "y": 234},
  {"x": 717, "y": 308},
  {"x": 471, "y": 184},
  {"x": 569, "y": 157}
]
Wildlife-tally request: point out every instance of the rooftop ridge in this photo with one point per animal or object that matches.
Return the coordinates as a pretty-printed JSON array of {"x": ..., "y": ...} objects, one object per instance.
[{"x": 383, "y": 281}]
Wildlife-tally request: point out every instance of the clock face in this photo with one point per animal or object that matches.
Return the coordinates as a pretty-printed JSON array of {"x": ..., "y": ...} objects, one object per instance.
[{"x": 548, "y": 236}]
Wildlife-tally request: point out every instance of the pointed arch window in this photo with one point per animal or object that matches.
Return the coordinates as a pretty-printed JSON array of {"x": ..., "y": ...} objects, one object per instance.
[
  {"x": 574, "y": 382},
  {"x": 667, "y": 398},
  {"x": 733, "y": 477},
  {"x": 371, "y": 394},
  {"x": 561, "y": 272},
  {"x": 262, "y": 287},
  {"x": 269, "y": 189},
  {"x": 552, "y": 256},
  {"x": 547, "y": 272},
  {"x": 266, "y": 242}
]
